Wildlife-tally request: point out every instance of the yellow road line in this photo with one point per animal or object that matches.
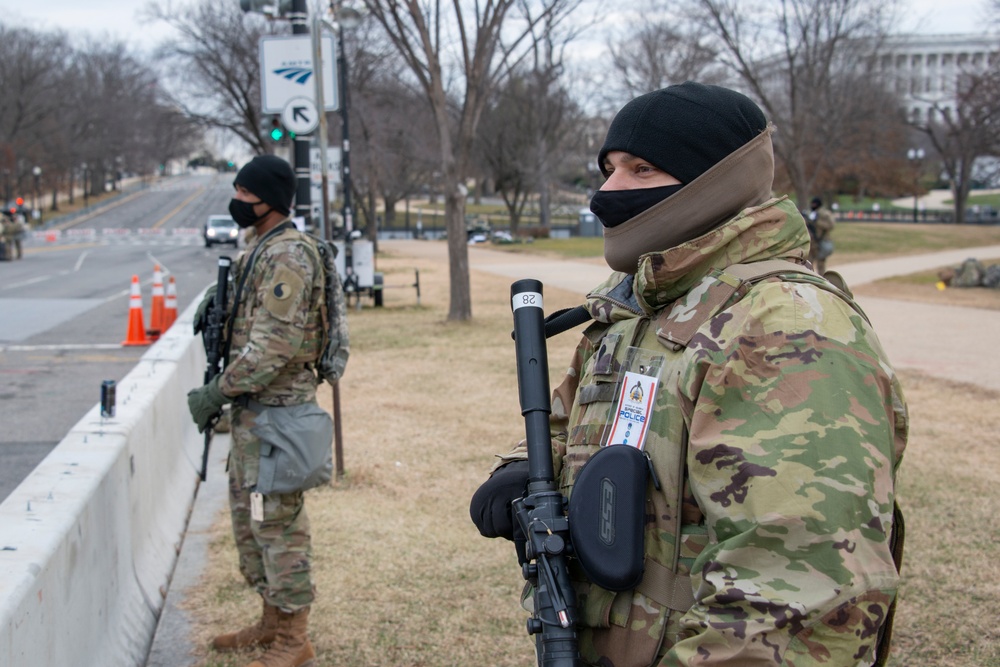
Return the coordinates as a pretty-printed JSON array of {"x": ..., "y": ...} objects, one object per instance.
[
  {"x": 176, "y": 210},
  {"x": 74, "y": 246}
]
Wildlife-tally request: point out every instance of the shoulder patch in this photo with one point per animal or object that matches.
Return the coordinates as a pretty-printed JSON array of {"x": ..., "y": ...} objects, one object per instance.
[{"x": 284, "y": 292}]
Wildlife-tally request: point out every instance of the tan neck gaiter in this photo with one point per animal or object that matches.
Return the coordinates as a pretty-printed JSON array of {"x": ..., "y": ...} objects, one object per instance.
[{"x": 741, "y": 180}]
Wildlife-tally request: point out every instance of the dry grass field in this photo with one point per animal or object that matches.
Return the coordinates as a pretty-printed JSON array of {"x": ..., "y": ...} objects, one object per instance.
[{"x": 405, "y": 580}]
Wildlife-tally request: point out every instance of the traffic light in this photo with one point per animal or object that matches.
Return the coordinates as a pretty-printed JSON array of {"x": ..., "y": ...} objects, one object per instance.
[
  {"x": 19, "y": 201},
  {"x": 277, "y": 131}
]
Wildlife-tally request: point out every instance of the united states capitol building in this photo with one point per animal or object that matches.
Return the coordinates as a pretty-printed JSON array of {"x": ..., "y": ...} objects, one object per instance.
[{"x": 924, "y": 70}]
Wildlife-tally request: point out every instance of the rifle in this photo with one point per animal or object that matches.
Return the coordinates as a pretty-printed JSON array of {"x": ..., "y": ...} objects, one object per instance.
[
  {"x": 541, "y": 513},
  {"x": 212, "y": 337}
]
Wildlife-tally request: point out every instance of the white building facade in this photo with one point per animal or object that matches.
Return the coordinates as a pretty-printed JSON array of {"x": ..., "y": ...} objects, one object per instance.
[{"x": 924, "y": 70}]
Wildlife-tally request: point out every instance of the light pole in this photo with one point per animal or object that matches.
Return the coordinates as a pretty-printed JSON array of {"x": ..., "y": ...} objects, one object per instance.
[
  {"x": 303, "y": 195},
  {"x": 37, "y": 173},
  {"x": 347, "y": 18},
  {"x": 916, "y": 156},
  {"x": 86, "y": 192}
]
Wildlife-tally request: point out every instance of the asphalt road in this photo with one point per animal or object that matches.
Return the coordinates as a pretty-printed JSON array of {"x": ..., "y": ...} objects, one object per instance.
[{"x": 64, "y": 308}]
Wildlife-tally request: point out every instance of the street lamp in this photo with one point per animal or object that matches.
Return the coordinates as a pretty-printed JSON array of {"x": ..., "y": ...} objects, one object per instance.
[
  {"x": 37, "y": 173},
  {"x": 86, "y": 192},
  {"x": 916, "y": 156}
]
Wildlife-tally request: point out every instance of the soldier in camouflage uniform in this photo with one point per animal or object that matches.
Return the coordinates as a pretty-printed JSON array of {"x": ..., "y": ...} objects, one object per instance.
[
  {"x": 778, "y": 423},
  {"x": 275, "y": 338},
  {"x": 820, "y": 223}
]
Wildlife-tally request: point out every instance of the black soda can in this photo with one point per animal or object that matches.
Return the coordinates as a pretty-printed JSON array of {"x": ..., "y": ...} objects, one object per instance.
[{"x": 108, "y": 398}]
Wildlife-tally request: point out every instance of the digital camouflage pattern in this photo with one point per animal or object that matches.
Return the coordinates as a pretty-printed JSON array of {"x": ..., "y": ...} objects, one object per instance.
[
  {"x": 795, "y": 426},
  {"x": 276, "y": 338}
]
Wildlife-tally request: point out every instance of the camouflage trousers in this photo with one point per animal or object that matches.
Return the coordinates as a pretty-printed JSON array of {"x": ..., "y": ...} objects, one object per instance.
[{"x": 275, "y": 553}]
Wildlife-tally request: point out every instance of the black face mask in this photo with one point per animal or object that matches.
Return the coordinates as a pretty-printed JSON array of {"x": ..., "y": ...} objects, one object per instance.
[
  {"x": 613, "y": 207},
  {"x": 243, "y": 213}
]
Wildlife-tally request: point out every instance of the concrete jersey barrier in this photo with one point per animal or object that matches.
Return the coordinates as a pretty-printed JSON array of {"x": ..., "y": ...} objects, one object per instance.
[{"x": 88, "y": 541}]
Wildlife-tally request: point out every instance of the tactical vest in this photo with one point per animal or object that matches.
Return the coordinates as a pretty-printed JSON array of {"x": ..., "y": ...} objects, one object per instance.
[{"x": 634, "y": 628}]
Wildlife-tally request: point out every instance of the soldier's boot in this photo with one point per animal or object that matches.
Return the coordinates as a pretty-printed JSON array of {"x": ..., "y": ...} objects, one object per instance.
[
  {"x": 291, "y": 648},
  {"x": 261, "y": 633}
]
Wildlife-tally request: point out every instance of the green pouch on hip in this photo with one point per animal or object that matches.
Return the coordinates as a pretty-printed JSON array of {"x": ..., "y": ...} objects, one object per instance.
[{"x": 296, "y": 450}]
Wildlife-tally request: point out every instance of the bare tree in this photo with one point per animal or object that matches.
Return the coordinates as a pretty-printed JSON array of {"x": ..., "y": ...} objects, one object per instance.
[
  {"x": 966, "y": 132},
  {"x": 525, "y": 133},
  {"x": 392, "y": 141},
  {"x": 658, "y": 53},
  {"x": 216, "y": 65},
  {"x": 33, "y": 67},
  {"x": 470, "y": 46},
  {"x": 800, "y": 59},
  {"x": 64, "y": 105}
]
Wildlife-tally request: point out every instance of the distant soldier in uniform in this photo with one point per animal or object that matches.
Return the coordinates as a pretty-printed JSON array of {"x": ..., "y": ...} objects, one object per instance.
[
  {"x": 275, "y": 338},
  {"x": 820, "y": 223},
  {"x": 775, "y": 423},
  {"x": 11, "y": 237},
  {"x": 17, "y": 235}
]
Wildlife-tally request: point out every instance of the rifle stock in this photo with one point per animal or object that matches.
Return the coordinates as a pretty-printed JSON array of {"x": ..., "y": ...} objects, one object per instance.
[
  {"x": 213, "y": 347},
  {"x": 541, "y": 513}
]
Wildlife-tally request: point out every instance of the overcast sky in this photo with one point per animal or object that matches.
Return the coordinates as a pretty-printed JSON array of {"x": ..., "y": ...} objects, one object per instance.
[{"x": 119, "y": 18}]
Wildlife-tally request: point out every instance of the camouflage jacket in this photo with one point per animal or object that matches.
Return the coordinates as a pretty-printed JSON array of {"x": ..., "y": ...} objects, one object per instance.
[
  {"x": 277, "y": 329},
  {"x": 777, "y": 430}
]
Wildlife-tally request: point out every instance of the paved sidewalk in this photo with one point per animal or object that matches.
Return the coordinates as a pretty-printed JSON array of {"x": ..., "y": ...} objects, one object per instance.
[{"x": 948, "y": 342}]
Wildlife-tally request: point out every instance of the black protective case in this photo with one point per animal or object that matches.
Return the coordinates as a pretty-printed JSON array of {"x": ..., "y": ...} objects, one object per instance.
[{"x": 607, "y": 516}]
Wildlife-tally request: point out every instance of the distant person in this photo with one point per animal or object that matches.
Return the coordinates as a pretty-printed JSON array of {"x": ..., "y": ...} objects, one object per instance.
[
  {"x": 769, "y": 410},
  {"x": 820, "y": 223},
  {"x": 20, "y": 231},
  {"x": 275, "y": 331}
]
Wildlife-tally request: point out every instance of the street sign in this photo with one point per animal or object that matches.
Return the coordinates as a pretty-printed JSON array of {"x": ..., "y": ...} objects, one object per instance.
[
  {"x": 286, "y": 71},
  {"x": 332, "y": 164},
  {"x": 300, "y": 115}
]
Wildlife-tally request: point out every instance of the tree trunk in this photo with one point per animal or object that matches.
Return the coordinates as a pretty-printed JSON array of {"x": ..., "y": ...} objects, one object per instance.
[
  {"x": 545, "y": 203},
  {"x": 460, "y": 307},
  {"x": 372, "y": 220}
]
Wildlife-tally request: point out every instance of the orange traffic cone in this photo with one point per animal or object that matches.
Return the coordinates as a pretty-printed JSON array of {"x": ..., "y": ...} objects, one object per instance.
[
  {"x": 156, "y": 326},
  {"x": 136, "y": 332},
  {"x": 170, "y": 304}
]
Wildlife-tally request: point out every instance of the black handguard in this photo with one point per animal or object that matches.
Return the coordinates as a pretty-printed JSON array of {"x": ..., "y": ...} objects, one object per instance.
[
  {"x": 541, "y": 513},
  {"x": 213, "y": 338}
]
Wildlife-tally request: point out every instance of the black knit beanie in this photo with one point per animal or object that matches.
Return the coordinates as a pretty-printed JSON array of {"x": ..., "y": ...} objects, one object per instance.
[
  {"x": 684, "y": 129},
  {"x": 270, "y": 178}
]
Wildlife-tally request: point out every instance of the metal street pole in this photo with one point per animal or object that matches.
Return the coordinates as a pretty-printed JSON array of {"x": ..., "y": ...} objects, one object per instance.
[
  {"x": 345, "y": 164},
  {"x": 915, "y": 155},
  {"x": 36, "y": 172},
  {"x": 303, "y": 204},
  {"x": 326, "y": 230}
]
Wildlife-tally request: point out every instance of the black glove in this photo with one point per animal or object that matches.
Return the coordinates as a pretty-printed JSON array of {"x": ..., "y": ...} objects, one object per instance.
[
  {"x": 201, "y": 313},
  {"x": 490, "y": 507}
]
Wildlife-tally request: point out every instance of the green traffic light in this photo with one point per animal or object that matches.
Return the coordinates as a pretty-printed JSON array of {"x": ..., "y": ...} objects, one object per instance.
[{"x": 277, "y": 134}]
